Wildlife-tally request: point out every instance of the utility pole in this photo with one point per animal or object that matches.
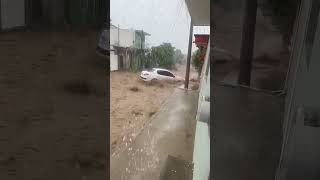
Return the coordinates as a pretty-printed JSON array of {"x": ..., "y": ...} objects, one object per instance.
[
  {"x": 247, "y": 46},
  {"x": 186, "y": 83},
  {"x": 142, "y": 50},
  {"x": 142, "y": 35},
  {"x": 118, "y": 35}
]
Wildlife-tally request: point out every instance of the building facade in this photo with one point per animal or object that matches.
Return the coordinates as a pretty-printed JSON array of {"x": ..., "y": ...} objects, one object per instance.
[
  {"x": 140, "y": 39},
  {"x": 122, "y": 44}
]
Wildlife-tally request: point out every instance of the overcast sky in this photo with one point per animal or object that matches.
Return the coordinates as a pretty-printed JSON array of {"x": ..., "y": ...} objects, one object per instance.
[{"x": 165, "y": 20}]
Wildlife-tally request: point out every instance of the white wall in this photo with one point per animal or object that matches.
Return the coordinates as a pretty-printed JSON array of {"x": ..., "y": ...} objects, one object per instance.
[
  {"x": 113, "y": 35},
  {"x": 12, "y": 13},
  {"x": 113, "y": 61},
  {"x": 126, "y": 37}
]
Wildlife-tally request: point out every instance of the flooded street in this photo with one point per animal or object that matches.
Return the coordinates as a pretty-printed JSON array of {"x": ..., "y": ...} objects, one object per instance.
[
  {"x": 170, "y": 133},
  {"x": 134, "y": 102}
]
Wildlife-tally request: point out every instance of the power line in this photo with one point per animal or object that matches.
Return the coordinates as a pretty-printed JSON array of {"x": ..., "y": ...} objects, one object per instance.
[{"x": 177, "y": 15}]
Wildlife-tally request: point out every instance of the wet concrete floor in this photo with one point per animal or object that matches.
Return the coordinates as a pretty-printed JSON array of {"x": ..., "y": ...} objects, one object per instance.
[{"x": 169, "y": 133}]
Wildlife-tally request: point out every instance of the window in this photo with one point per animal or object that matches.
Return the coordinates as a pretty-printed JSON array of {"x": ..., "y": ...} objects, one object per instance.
[
  {"x": 170, "y": 74},
  {"x": 161, "y": 72},
  {"x": 165, "y": 73}
]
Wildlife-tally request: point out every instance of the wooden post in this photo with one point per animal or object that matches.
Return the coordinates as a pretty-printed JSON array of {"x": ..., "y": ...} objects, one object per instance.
[
  {"x": 247, "y": 46},
  {"x": 186, "y": 83}
]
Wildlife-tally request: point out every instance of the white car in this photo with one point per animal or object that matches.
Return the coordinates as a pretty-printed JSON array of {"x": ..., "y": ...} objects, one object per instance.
[{"x": 159, "y": 74}]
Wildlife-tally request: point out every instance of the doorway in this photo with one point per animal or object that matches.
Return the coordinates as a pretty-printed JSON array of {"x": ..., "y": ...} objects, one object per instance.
[{"x": 121, "y": 63}]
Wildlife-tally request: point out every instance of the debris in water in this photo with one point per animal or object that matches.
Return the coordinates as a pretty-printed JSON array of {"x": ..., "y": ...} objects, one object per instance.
[
  {"x": 151, "y": 113},
  {"x": 134, "y": 89}
]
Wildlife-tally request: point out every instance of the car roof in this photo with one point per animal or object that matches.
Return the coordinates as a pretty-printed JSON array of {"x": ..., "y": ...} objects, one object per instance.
[{"x": 161, "y": 69}]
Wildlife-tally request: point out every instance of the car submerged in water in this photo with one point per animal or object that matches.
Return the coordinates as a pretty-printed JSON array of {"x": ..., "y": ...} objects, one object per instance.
[{"x": 159, "y": 74}]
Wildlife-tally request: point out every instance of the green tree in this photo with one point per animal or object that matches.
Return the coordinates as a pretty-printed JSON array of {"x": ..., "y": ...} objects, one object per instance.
[
  {"x": 179, "y": 57},
  {"x": 197, "y": 62},
  {"x": 139, "y": 59},
  {"x": 163, "y": 56}
]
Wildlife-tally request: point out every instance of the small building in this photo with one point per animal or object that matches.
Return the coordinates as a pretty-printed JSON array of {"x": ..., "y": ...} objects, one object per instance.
[
  {"x": 140, "y": 39},
  {"x": 201, "y": 40},
  {"x": 122, "y": 42}
]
